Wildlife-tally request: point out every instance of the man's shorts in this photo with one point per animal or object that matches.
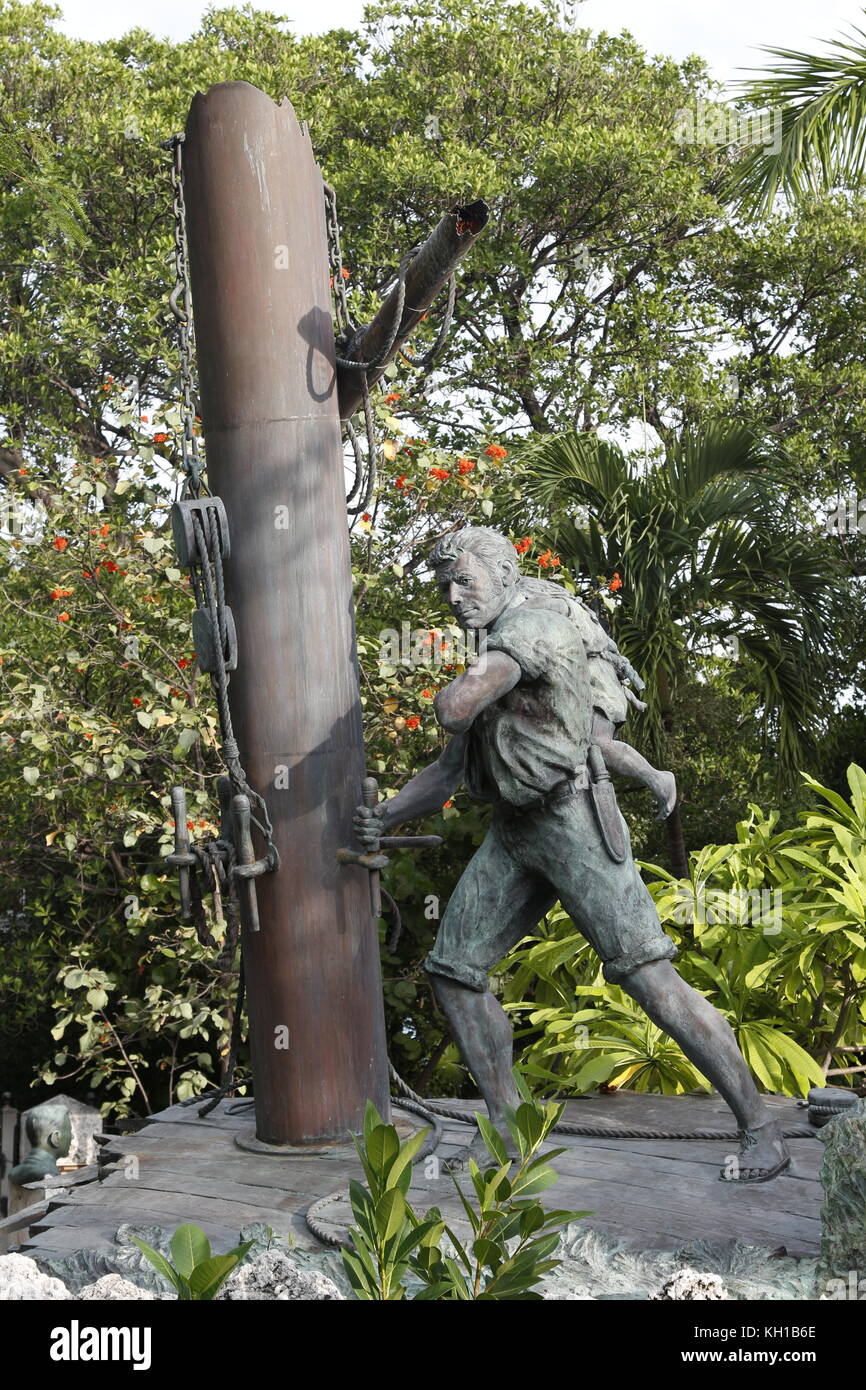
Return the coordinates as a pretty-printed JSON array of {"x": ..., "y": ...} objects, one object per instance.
[{"x": 528, "y": 860}]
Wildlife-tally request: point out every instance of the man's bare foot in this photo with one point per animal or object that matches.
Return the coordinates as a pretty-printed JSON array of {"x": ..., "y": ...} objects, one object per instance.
[
  {"x": 664, "y": 790},
  {"x": 763, "y": 1154}
]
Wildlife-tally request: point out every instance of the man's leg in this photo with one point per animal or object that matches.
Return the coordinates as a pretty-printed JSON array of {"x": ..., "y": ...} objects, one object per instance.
[
  {"x": 481, "y": 1029},
  {"x": 495, "y": 903},
  {"x": 708, "y": 1041},
  {"x": 613, "y": 908}
]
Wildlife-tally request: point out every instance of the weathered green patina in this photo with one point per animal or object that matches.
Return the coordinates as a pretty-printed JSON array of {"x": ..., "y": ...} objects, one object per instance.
[{"x": 526, "y": 739}]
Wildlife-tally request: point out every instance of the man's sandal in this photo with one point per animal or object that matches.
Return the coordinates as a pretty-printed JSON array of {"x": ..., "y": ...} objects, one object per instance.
[
  {"x": 756, "y": 1174},
  {"x": 748, "y": 1173}
]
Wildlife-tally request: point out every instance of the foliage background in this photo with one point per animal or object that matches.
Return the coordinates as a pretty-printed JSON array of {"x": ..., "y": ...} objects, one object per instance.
[{"x": 613, "y": 291}]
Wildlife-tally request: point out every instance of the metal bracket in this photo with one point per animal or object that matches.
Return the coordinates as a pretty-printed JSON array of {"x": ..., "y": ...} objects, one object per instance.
[
  {"x": 373, "y": 860},
  {"x": 182, "y": 859},
  {"x": 234, "y": 834}
]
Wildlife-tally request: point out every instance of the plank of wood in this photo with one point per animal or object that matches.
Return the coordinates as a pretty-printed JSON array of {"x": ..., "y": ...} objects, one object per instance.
[
  {"x": 189, "y": 1181},
  {"x": 805, "y": 1152},
  {"x": 665, "y": 1170},
  {"x": 150, "y": 1206}
]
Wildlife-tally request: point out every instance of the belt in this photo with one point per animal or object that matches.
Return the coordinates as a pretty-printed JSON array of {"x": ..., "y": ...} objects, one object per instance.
[{"x": 569, "y": 786}]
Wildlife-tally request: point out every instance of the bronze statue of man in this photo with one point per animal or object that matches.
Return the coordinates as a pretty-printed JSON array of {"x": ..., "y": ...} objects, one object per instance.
[{"x": 521, "y": 720}]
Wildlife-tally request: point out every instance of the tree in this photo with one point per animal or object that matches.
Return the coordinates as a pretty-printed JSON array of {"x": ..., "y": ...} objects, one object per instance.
[
  {"x": 599, "y": 297},
  {"x": 705, "y": 560}
]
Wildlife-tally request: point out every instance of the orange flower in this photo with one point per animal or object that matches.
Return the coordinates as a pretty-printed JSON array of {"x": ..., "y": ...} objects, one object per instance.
[
  {"x": 345, "y": 273},
  {"x": 427, "y": 694},
  {"x": 60, "y": 542},
  {"x": 544, "y": 560},
  {"x": 401, "y": 481},
  {"x": 110, "y": 565},
  {"x": 392, "y": 398},
  {"x": 104, "y": 530},
  {"x": 446, "y": 804},
  {"x": 465, "y": 465},
  {"x": 190, "y": 825},
  {"x": 182, "y": 662},
  {"x": 496, "y": 451},
  {"x": 22, "y": 472},
  {"x": 160, "y": 438},
  {"x": 522, "y": 546},
  {"x": 143, "y": 419},
  {"x": 556, "y": 561},
  {"x": 85, "y": 574},
  {"x": 615, "y": 583},
  {"x": 63, "y": 617},
  {"x": 366, "y": 517},
  {"x": 440, "y": 473},
  {"x": 413, "y": 722},
  {"x": 136, "y": 701}
]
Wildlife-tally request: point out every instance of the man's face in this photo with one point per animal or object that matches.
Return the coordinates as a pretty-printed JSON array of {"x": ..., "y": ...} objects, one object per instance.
[{"x": 474, "y": 590}]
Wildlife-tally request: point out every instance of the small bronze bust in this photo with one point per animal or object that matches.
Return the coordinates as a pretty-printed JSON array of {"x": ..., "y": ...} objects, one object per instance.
[{"x": 49, "y": 1130}]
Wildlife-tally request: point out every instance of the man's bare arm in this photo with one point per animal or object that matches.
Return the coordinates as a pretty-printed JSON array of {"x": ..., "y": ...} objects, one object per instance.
[
  {"x": 483, "y": 684},
  {"x": 423, "y": 794}
]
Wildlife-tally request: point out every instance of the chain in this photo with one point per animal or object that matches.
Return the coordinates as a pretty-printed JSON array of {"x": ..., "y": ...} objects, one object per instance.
[
  {"x": 214, "y": 595},
  {"x": 207, "y": 571},
  {"x": 180, "y": 304}
]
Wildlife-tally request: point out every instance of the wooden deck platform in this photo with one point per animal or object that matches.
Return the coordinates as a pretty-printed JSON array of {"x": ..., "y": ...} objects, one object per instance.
[{"x": 653, "y": 1194}]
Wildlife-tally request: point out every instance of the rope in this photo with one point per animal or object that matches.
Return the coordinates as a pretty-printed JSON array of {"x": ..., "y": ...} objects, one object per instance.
[
  {"x": 348, "y": 334},
  {"x": 396, "y": 927},
  {"x": 314, "y": 1214},
  {"x": 592, "y": 1131}
]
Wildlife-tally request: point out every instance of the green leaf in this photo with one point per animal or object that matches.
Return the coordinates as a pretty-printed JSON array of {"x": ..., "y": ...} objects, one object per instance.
[
  {"x": 189, "y": 1246},
  {"x": 208, "y": 1277},
  {"x": 159, "y": 1262},
  {"x": 31, "y": 775},
  {"x": 382, "y": 1147},
  {"x": 390, "y": 1213},
  {"x": 492, "y": 1138}
]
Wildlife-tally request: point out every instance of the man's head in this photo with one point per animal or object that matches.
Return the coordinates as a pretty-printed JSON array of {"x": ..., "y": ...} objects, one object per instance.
[{"x": 476, "y": 571}]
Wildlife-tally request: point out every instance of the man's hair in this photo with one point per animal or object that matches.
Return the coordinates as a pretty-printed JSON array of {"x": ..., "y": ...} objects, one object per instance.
[{"x": 483, "y": 541}]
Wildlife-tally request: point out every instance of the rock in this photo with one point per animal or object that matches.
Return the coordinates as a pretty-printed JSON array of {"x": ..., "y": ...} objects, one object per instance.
[
  {"x": 843, "y": 1176},
  {"x": 114, "y": 1286},
  {"x": 600, "y": 1266},
  {"x": 272, "y": 1275},
  {"x": 690, "y": 1283},
  {"x": 21, "y": 1278}
]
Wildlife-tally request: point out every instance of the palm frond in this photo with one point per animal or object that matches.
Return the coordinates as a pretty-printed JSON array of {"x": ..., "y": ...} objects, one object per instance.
[
  {"x": 819, "y": 103},
  {"x": 714, "y": 451},
  {"x": 576, "y": 466}
]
